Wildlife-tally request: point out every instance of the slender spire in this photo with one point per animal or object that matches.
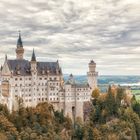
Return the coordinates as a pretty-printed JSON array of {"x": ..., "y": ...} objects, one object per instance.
[
  {"x": 19, "y": 41},
  {"x": 5, "y": 57},
  {"x": 33, "y": 56}
]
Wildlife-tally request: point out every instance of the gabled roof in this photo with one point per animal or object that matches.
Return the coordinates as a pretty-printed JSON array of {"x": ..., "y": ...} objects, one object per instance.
[{"x": 24, "y": 67}]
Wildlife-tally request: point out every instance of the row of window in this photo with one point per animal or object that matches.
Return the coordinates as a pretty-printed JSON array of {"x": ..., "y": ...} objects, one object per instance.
[
  {"x": 77, "y": 98},
  {"x": 80, "y": 89},
  {"x": 41, "y": 78},
  {"x": 29, "y": 95},
  {"x": 54, "y": 99},
  {"x": 53, "y": 94},
  {"x": 30, "y": 90},
  {"x": 39, "y": 84},
  {"x": 39, "y": 99}
]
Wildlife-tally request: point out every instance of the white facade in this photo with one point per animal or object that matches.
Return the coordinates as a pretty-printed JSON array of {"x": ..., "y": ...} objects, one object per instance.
[{"x": 36, "y": 82}]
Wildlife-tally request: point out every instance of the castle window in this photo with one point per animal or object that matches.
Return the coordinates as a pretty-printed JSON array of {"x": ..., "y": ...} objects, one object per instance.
[
  {"x": 50, "y": 78},
  {"x": 52, "y": 88},
  {"x": 40, "y": 78},
  {"x": 50, "y": 98},
  {"x": 20, "y": 78},
  {"x": 45, "y": 78},
  {"x": 16, "y": 79}
]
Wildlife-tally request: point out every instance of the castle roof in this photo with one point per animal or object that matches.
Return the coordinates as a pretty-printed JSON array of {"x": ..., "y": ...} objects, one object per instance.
[
  {"x": 19, "y": 41},
  {"x": 33, "y": 56},
  {"x": 24, "y": 67}
]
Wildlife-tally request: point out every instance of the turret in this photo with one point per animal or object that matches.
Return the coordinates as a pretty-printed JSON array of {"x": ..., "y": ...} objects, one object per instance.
[
  {"x": 33, "y": 62},
  {"x": 19, "y": 49},
  {"x": 92, "y": 75},
  {"x": 71, "y": 79}
]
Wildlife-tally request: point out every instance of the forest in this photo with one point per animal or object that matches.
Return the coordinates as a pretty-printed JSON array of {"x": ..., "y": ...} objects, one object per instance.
[{"x": 113, "y": 116}]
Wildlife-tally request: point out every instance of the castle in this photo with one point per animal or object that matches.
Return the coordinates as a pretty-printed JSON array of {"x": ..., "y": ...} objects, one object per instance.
[{"x": 35, "y": 81}]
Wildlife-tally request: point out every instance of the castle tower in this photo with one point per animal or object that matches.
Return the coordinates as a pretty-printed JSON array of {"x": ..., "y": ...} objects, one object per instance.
[
  {"x": 92, "y": 75},
  {"x": 19, "y": 49},
  {"x": 33, "y": 62},
  {"x": 34, "y": 78}
]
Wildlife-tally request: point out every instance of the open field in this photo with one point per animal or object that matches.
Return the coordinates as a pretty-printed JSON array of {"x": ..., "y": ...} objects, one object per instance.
[{"x": 136, "y": 92}]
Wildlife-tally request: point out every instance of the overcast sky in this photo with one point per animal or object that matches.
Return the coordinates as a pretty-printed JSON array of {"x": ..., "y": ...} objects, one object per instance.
[{"x": 74, "y": 32}]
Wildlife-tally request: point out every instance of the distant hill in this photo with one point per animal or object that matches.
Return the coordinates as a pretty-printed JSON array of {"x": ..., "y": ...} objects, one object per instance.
[{"x": 108, "y": 79}]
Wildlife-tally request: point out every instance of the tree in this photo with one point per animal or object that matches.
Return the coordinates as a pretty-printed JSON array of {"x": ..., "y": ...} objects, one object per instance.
[
  {"x": 135, "y": 105},
  {"x": 95, "y": 93},
  {"x": 110, "y": 103}
]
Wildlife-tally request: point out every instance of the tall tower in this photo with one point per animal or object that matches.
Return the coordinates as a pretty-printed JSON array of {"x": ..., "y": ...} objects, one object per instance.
[
  {"x": 33, "y": 62},
  {"x": 19, "y": 49},
  {"x": 34, "y": 78},
  {"x": 92, "y": 75}
]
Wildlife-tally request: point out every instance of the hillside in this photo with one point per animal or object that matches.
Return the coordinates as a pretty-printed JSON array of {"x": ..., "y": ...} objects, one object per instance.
[{"x": 112, "y": 116}]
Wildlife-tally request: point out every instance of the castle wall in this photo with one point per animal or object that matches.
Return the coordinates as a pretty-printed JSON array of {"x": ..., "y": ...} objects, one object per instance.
[{"x": 37, "y": 87}]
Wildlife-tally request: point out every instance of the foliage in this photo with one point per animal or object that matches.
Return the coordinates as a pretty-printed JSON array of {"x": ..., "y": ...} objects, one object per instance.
[
  {"x": 95, "y": 93},
  {"x": 111, "y": 118}
]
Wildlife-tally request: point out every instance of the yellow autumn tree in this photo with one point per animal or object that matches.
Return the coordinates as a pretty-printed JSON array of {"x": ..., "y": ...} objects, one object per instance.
[{"x": 95, "y": 93}]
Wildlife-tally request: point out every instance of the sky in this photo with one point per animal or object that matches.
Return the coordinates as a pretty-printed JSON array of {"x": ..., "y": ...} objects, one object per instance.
[{"x": 74, "y": 32}]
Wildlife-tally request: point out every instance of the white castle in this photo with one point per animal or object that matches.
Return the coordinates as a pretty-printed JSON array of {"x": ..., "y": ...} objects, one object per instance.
[{"x": 34, "y": 82}]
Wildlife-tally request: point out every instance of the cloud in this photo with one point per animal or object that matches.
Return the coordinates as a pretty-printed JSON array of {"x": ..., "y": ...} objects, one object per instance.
[{"x": 75, "y": 32}]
